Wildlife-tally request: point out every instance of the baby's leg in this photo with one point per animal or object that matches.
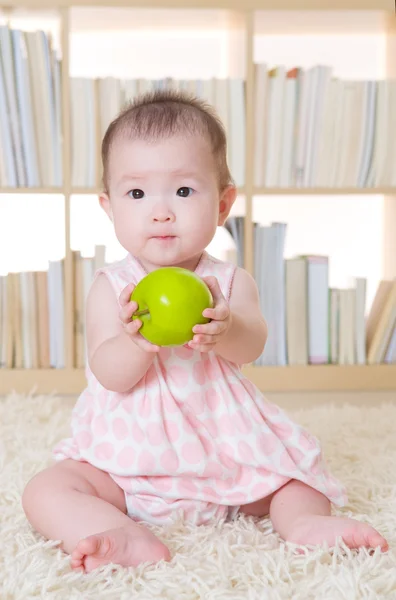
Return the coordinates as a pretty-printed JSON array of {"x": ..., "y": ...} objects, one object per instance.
[
  {"x": 302, "y": 515},
  {"x": 83, "y": 507}
]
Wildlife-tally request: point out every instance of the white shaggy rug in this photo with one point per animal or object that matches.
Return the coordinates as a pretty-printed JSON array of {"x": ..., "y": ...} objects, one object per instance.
[{"x": 244, "y": 560}]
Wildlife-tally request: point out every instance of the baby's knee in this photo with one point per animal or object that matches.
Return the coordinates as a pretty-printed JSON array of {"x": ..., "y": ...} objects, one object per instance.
[
  {"x": 35, "y": 489},
  {"x": 43, "y": 486}
]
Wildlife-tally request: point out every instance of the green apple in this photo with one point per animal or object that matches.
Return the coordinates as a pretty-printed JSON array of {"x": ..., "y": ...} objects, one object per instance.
[{"x": 171, "y": 301}]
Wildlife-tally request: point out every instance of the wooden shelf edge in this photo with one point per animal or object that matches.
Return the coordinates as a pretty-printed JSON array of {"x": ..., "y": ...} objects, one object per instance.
[
  {"x": 323, "y": 378},
  {"x": 42, "y": 381},
  {"x": 320, "y": 378}
]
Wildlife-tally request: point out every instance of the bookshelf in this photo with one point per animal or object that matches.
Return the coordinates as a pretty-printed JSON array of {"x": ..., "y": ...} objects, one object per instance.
[{"x": 243, "y": 16}]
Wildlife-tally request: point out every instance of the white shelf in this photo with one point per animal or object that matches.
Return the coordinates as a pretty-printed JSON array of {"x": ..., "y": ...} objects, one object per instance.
[{"x": 318, "y": 378}]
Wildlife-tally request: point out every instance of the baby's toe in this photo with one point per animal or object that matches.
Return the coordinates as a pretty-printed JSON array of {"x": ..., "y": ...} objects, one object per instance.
[
  {"x": 84, "y": 548},
  {"x": 363, "y": 535},
  {"x": 89, "y": 545},
  {"x": 376, "y": 540},
  {"x": 77, "y": 560}
]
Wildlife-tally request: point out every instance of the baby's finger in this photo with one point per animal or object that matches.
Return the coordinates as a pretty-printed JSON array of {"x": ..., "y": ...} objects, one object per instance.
[
  {"x": 218, "y": 313},
  {"x": 145, "y": 344},
  {"x": 127, "y": 311},
  {"x": 205, "y": 339},
  {"x": 132, "y": 328},
  {"x": 202, "y": 347},
  {"x": 125, "y": 295},
  {"x": 212, "y": 328},
  {"x": 215, "y": 289}
]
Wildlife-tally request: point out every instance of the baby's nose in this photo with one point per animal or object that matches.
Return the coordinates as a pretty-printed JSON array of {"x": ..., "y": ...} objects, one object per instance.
[
  {"x": 162, "y": 213},
  {"x": 162, "y": 218}
]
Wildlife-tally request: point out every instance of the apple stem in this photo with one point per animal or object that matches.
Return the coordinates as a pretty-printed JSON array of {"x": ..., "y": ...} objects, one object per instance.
[{"x": 140, "y": 313}]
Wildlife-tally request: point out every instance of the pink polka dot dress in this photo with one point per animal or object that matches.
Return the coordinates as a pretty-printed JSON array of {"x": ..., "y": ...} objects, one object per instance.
[{"x": 194, "y": 438}]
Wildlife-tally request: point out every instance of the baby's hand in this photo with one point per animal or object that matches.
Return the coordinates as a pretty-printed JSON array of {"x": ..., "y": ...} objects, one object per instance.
[
  {"x": 131, "y": 327},
  {"x": 211, "y": 333}
]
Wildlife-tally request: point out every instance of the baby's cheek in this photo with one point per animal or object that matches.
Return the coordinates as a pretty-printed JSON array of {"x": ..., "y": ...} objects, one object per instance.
[{"x": 129, "y": 236}]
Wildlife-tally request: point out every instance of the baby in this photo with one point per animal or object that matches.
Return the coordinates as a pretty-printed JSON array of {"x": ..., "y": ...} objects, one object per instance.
[{"x": 159, "y": 432}]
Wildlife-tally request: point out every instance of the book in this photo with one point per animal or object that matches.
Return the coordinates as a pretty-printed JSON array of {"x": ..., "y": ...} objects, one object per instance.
[
  {"x": 390, "y": 356},
  {"x": 297, "y": 311},
  {"x": 318, "y": 309},
  {"x": 381, "y": 322}
]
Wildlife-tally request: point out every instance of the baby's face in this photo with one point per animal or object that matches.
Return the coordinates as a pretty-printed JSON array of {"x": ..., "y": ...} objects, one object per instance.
[{"x": 164, "y": 198}]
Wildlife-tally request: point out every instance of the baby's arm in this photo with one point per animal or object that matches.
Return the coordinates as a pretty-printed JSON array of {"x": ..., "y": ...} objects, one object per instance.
[
  {"x": 246, "y": 337},
  {"x": 114, "y": 358}
]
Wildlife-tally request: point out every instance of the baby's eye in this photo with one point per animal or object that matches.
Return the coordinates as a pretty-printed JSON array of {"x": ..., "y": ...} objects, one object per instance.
[
  {"x": 136, "y": 193},
  {"x": 184, "y": 192}
]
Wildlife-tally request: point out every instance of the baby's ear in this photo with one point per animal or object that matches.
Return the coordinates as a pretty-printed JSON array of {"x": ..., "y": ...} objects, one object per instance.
[
  {"x": 105, "y": 203},
  {"x": 227, "y": 199}
]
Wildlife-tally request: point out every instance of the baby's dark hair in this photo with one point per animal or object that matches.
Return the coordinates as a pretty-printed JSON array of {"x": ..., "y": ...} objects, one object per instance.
[{"x": 163, "y": 113}]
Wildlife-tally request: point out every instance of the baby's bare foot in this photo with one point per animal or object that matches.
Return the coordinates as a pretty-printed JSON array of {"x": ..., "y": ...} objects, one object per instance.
[
  {"x": 316, "y": 529},
  {"x": 125, "y": 546}
]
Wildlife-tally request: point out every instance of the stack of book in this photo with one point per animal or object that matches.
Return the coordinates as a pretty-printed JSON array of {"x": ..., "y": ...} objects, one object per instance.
[
  {"x": 313, "y": 129},
  {"x": 31, "y": 113},
  {"x": 310, "y": 322},
  {"x": 30, "y": 110},
  {"x": 32, "y": 319},
  {"x": 32, "y": 314}
]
